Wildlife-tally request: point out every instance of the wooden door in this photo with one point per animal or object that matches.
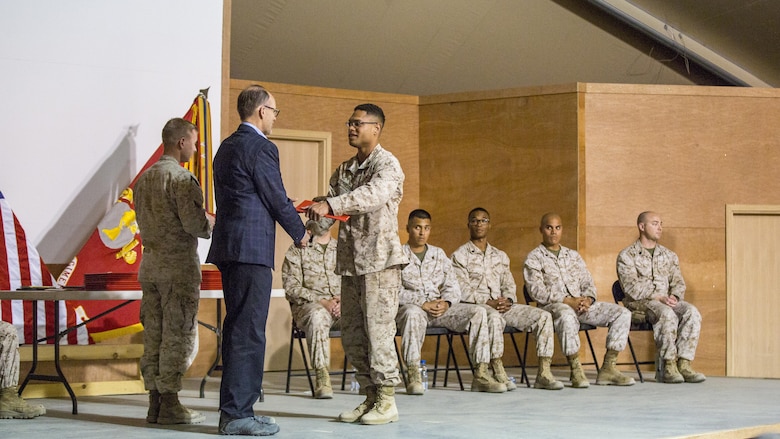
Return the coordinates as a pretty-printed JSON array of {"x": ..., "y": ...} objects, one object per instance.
[{"x": 753, "y": 291}]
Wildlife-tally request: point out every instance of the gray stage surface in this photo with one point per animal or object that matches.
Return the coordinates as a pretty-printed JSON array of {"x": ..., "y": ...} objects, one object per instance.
[{"x": 718, "y": 408}]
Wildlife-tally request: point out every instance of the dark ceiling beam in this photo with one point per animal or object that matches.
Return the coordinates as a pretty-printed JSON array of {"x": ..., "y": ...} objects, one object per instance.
[{"x": 637, "y": 18}]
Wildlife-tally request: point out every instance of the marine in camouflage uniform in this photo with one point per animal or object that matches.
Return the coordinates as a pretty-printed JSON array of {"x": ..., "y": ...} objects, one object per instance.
[
  {"x": 369, "y": 188},
  {"x": 12, "y": 406},
  {"x": 313, "y": 289},
  {"x": 558, "y": 280},
  {"x": 429, "y": 297},
  {"x": 171, "y": 218},
  {"x": 651, "y": 279},
  {"x": 486, "y": 279}
]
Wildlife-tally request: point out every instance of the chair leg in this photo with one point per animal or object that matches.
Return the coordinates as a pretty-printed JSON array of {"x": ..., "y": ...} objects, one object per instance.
[
  {"x": 289, "y": 362},
  {"x": 592, "y": 351},
  {"x": 344, "y": 373},
  {"x": 436, "y": 359},
  {"x": 466, "y": 349},
  {"x": 401, "y": 368},
  {"x": 306, "y": 365},
  {"x": 636, "y": 363},
  {"x": 451, "y": 353},
  {"x": 523, "y": 375},
  {"x": 525, "y": 355}
]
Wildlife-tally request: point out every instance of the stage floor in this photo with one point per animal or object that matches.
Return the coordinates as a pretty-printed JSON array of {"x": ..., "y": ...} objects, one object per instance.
[{"x": 721, "y": 408}]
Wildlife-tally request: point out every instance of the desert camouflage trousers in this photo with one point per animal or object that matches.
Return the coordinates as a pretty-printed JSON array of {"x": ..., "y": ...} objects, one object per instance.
[
  {"x": 369, "y": 304},
  {"x": 567, "y": 324},
  {"x": 676, "y": 330},
  {"x": 484, "y": 332},
  {"x": 316, "y": 322},
  {"x": 533, "y": 319},
  {"x": 169, "y": 313},
  {"x": 9, "y": 355}
]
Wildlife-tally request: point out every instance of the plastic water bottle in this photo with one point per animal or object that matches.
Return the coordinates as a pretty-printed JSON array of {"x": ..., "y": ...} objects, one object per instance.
[
  {"x": 354, "y": 385},
  {"x": 424, "y": 374}
]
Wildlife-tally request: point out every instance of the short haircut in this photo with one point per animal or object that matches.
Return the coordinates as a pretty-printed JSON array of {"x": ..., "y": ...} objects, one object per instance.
[
  {"x": 174, "y": 130},
  {"x": 250, "y": 99},
  {"x": 479, "y": 209},
  {"x": 372, "y": 110},
  {"x": 419, "y": 213},
  {"x": 641, "y": 218},
  {"x": 316, "y": 228},
  {"x": 547, "y": 216}
]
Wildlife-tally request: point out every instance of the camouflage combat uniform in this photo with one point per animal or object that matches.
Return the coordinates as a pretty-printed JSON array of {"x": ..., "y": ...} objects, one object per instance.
[
  {"x": 308, "y": 275},
  {"x": 549, "y": 279},
  {"x": 369, "y": 259},
  {"x": 170, "y": 215},
  {"x": 645, "y": 277},
  {"x": 486, "y": 276},
  {"x": 433, "y": 279},
  {"x": 9, "y": 355}
]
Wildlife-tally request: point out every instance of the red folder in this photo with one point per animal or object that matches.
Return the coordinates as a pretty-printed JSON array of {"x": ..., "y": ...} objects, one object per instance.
[{"x": 306, "y": 203}]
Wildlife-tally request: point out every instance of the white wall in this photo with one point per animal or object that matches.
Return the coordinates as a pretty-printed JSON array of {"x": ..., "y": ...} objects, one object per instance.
[{"x": 86, "y": 86}]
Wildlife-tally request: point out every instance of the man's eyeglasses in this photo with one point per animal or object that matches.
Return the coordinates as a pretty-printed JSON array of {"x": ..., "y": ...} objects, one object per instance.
[
  {"x": 476, "y": 221},
  {"x": 275, "y": 110},
  {"x": 357, "y": 123}
]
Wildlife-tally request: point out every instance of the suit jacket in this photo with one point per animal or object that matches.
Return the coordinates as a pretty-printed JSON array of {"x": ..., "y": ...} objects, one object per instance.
[{"x": 250, "y": 199}]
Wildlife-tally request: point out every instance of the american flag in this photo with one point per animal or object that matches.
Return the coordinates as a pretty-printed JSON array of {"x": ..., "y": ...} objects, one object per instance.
[{"x": 20, "y": 266}]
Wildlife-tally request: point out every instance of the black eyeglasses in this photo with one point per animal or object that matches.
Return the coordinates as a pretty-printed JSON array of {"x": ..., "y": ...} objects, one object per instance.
[
  {"x": 357, "y": 123},
  {"x": 275, "y": 110},
  {"x": 477, "y": 221}
]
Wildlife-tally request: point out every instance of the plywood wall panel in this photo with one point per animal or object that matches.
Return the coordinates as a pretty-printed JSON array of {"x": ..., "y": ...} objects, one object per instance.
[{"x": 516, "y": 156}]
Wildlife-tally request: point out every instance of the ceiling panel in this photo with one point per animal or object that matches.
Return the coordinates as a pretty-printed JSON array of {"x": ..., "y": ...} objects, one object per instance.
[{"x": 426, "y": 47}]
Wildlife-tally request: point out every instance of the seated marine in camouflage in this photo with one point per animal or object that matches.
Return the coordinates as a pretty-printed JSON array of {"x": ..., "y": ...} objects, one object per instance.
[
  {"x": 650, "y": 276},
  {"x": 313, "y": 289},
  {"x": 558, "y": 280}
]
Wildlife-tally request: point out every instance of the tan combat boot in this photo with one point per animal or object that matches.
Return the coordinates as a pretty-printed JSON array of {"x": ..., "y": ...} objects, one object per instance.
[
  {"x": 690, "y": 375},
  {"x": 500, "y": 374},
  {"x": 483, "y": 382},
  {"x": 609, "y": 375},
  {"x": 12, "y": 406},
  {"x": 384, "y": 410},
  {"x": 671, "y": 374},
  {"x": 577, "y": 377},
  {"x": 154, "y": 406},
  {"x": 545, "y": 378},
  {"x": 414, "y": 385},
  {"x": 363, "y": 408},
  {"x": 323, "y": 389},
  {"x": 172, "y": 412}
]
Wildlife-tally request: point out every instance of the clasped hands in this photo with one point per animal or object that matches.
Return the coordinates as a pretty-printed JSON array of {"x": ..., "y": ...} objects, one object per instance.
[
  {"x": 333, "y": 306},
  {"x": 579, "y": 304},
  {"x": 502, "y": 304},
  {"x": 436, "y": 308}
]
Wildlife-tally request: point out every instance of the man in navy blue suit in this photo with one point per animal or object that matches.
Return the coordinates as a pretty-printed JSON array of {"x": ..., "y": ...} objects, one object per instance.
[{"x": 250, "y": 199}]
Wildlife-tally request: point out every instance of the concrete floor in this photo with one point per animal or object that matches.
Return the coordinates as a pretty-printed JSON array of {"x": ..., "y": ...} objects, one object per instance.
[{"x": 719, "y": 408}]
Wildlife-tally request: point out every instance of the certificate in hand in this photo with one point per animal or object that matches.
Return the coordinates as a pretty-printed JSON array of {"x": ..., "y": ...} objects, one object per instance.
[{"x": 306, "y": 203}]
